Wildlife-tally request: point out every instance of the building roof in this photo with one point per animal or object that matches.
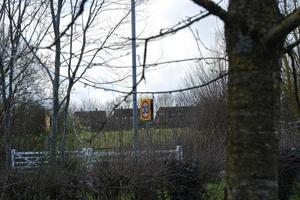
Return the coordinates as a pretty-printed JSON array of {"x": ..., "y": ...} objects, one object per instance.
[
  {"x": 91, "y": 120},
  {"x": 91, "y": 115},
  {"x": 176, "y": 116},
  {"x": 177, "y": 111}
]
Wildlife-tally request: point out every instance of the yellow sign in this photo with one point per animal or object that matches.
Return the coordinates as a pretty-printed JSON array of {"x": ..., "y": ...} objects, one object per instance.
[{"x": 146, "y": 111}]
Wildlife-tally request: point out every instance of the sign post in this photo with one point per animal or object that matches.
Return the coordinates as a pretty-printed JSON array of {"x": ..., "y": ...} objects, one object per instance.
[{"x": 134, "y": 83}]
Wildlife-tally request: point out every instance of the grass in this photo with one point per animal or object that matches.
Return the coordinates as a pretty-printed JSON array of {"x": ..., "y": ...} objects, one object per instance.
[
  {"x": 31, "y": 142},
  {"x": 154, "y": 138},
  {"x": 296, "y": 192},
  {"x": 215, "y": 191},
  {"x": 123, "y": 139}
]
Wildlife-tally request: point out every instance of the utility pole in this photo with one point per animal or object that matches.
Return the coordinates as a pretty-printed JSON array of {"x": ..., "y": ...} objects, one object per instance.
[{"x": 134, "y": 83}]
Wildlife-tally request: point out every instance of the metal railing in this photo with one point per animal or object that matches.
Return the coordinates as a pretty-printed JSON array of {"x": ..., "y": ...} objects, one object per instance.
[{"x": 30, "y": 160}]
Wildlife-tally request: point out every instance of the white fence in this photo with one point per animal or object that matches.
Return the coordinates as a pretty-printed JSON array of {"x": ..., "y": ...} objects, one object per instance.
[{"x": 29, "y": 160}]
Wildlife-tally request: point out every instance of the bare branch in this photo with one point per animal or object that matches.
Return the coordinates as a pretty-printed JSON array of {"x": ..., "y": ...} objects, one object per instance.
[
  {"x": 288, "y": 24},
  {"x": 213, "y": 8},
  {"x": 80, "y": 11},
  {"x": 291, "y": 46},
  {"x": 145, "y": 57},
  {"x": 290, "y": 53},
  {"x": 180, "y": 26},
  {"x": 158, "y": 92}
]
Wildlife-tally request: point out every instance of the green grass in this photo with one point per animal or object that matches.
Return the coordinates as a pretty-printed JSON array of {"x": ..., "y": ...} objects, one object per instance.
[
  {"x": 215, "y": 191},
  {"x": 165, "y": 138},
  {"x": 30, "y": 142},
  {"x": 123, "y": 139},
  {"x": 296, "y": 192}
]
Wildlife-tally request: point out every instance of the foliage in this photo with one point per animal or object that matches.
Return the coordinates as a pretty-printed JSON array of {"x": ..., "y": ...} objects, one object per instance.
[
  {"x": 215, "y": 191},
  {"x": 288, "y": 171},
  {"x": 296, "y": 192},
  {"x": 145, "y": 178},
  {"x": 28, "y": 126}
]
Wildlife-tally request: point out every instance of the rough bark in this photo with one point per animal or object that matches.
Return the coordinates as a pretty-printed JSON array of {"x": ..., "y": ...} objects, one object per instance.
[{"x": 253, "y": 97}]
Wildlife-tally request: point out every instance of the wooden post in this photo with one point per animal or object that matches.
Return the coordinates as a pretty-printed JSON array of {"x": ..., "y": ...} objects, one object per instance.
[
  {"x": 179, "y": 152},
  {"x": 13, "y": 151}
]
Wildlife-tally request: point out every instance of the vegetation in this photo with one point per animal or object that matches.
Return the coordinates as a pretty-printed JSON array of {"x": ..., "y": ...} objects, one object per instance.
[
  {"x": 215, "y": 190},
  {"x": 56, "y": 43},
  {"x": 123, "y": 139},
  {"x": 296, "y": 192},
  {"x": 142, "y": 179}
]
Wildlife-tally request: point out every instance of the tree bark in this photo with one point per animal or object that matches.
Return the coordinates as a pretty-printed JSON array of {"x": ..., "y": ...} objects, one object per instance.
[
  {"x": 56, "y": 80},
  {"x": 66, "y": 127},
  {"x": 7, "y": 135},
  {"x": 253, "y": 97}
]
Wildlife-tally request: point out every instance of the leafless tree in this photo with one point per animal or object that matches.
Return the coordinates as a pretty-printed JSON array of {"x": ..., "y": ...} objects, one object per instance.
[
  {"x": 75, "y": 49},
  {"x": 163, "y": 100},
  {"x": 255, "y": 33},
  {"x": 17, "y": 63},
  {"x": 290, "y": 62}
]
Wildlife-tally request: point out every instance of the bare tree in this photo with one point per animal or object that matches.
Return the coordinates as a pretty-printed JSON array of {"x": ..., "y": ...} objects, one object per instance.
[
  {"x": 75, "y": 49},
  {"x": 291, "y": 63},
  {"x": 210, "y": 101},
  {"x": 16, "y": 61},
  {"x": 87, "y": 55},
  {"x": 255, "y": 33},
  {"x": 163, "y": 100}
]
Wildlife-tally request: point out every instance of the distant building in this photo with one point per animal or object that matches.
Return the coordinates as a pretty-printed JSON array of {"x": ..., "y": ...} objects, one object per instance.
[
  {"x": 91, "y": 120},
  {"x": 175, "y": 117},
  {"x": 122, "y": 119}
]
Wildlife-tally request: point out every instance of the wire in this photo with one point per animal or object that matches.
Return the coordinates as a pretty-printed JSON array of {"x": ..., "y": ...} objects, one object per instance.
[{"x": 160, "y": 92}]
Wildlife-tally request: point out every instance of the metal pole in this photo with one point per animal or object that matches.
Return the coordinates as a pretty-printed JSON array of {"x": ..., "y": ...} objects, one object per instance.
[{"x": 134, "y": 102}]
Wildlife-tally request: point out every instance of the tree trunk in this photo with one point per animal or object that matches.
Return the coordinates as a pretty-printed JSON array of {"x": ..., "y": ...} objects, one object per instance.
[
  {"x": 56, "y": 80},
  {"x": 7, "y": 119},
  {"x": 54, "y": 132},
  {"x": 55, "y": 105},
  {"x": 7, "y": 136},
  {"x": 253, "y": 96},
  {"x": 65, "y": 133}
]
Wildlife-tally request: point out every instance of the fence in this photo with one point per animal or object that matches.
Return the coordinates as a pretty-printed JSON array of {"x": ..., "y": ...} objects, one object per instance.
[
  {"x": 29, "y": 160},
  {"x": 289, "y": 134}
]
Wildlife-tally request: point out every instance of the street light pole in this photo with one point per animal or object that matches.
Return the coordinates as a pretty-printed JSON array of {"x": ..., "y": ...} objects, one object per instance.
[{"x": 134, "y": 83}]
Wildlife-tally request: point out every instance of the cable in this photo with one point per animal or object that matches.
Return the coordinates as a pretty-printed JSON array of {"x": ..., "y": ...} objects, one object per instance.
[{"x": 159, "y": 92}]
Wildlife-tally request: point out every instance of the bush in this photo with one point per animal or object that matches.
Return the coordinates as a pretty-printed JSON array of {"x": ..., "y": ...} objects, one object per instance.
[
  {"x": 144, "y": 178},
  {"x": 215, "y": 191},
  {"x": 289, "y": 167}
]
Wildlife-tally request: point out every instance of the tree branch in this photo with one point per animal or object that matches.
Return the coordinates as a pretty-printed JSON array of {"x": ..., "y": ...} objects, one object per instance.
[
  {"x": 291, "y": 46},
  {"x": 282, "y": 29},
  {"x": 290, "y": 53},
  {"x": 212, "y": 8},
  {"x": 80, "y": 11},
  {"x": 178, "y": 27}
]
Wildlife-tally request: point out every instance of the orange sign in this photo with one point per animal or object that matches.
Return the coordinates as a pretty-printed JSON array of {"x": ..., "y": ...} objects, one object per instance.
[{"x": 146, "y": 111}]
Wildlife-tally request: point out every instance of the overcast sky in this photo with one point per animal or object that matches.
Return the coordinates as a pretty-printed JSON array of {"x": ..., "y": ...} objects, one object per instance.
[{"x": 151, "y": 18}]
